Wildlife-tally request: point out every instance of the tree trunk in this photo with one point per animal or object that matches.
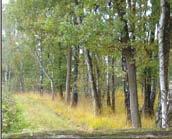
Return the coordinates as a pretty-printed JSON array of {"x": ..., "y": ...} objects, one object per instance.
[
  {"x": 113, "y": 86},
  {"x": 98, "y": 73},
  {"x": 134, "y": 108},
  {"x": 108, "y": 82},
  {"x": 21, "y": 76},
  {"x": 146, "y": 110},
  {"x": 75, "y": 84},
  {"x": 40, "y": 61},
  {"x": 126, "y": 87},
  {"x": 41, "y": 77},
  {"x": 125, "y": 40},
  {"x": 68, "y": 76},
  {"x": 41, "y": 74},
  {"x": 52, "y": 89},
  {"x": 60, "y": 70},
  {"x": 96, "y": 100},
  {"x": 61, "y": 91},
  {"x": 164, "y": 47},
  {"x": 152, "y": 96}
]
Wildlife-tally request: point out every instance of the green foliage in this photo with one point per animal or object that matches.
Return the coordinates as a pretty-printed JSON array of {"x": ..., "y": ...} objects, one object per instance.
[{"x": 12, "y": 116}]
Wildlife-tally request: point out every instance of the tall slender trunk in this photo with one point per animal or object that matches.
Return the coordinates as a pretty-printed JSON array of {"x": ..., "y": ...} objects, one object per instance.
[
  {"x": 146, "y": 110},
  {"x": 52, "y": 89},
  {"x": 75, "y": 83},
  {"x": 108, "y": 82},
  {"x": 50, "y": 78},
  {"x": 153, "y": 95},
  {"x": 164, "y": 47},
  {"x": 41, "y": 73},
  {"x": 60, "y": 86},
  {"x": 68, "y": 76},
  {"x": 98, "y": 78},
  {"x": 126, "y": 87},
  {"x": 21, "y": 78},
  {"x": 96, "y": 100},
  {"x": 113, "y": 86}
]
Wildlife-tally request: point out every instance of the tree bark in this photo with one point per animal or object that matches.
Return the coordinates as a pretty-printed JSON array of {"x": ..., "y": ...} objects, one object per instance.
[
  {"x": 164, "y": 47},
  {"x": 153, "y": 95},
  {"x": 113, "y": 86},
  {"x": 75, "y": 84},
  {"x": 52, "y": 89},
  {"x": 68, "y": 76},
  {"x": 60, "y": 70},
  {"x": 98, "y": 74},
  {"x": 108, "y": 82},
  {"x": 135, "y": 118},
  {"x": 41, "y": 73},
  {"x": 146, "y": 110},
  {"x": 21, "y": 78},
  {"x": 126, "y": 87},
  {"x": 61, "y": 91},
  {"x": 95, "y": 95},
  {"x": 124, "y": 40},
  {"x": 45, "y": 72}
]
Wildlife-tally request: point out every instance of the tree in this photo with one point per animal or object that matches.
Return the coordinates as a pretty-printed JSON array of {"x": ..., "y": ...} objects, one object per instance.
[
  {"x": 68, "y": 76},
  {"x": 95, "y": 93},
  {"x": 164, "y": 47}
]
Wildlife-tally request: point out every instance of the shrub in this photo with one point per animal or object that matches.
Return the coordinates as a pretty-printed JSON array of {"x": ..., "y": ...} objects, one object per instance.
[{"x": 12, "y": 117}]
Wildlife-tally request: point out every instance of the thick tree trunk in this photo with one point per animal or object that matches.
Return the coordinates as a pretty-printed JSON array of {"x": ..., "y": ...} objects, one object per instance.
[
  {"x": 134, "y": 108},
  {"x": 68, "y": 76},
  {"x": 96, "y": 99},
  {"x": 125, "y": 40},
  {"x": 75, "y": 84},
  {"x": 164, "y": 47}
]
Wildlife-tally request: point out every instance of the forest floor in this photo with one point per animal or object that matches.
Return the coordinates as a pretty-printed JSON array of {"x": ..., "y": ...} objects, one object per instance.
[{"x": 47, "y": 118}]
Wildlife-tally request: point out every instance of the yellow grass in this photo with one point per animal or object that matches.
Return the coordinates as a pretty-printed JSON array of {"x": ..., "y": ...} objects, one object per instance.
[{"x": 82, "y": 116}]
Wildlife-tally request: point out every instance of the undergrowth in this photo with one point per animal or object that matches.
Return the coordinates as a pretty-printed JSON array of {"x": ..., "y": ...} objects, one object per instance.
[
  {"x": 12, "y": 116},
  {"x": 82, "y": 116}
]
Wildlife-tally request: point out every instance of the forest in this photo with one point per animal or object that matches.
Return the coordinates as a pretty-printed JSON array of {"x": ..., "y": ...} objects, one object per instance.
[{"x": 86, "y": 68}]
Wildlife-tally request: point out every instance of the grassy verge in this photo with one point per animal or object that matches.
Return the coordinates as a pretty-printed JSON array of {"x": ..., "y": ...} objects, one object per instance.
[{"x": 43, "y": 113}]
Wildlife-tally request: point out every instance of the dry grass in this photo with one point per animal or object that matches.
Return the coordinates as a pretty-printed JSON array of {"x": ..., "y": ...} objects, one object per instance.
[{"x": 82, "y": 116}]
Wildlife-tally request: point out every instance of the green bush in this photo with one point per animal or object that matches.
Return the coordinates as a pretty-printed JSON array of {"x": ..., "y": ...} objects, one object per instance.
[{"x": 12, "y": 117}]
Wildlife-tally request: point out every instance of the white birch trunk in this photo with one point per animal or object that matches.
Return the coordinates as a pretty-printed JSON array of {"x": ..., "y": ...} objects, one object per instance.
[{"x": 163, "y": 58}]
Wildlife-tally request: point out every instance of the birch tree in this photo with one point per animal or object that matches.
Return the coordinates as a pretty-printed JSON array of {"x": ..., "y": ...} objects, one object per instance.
[{"x": 164, "y": 47}]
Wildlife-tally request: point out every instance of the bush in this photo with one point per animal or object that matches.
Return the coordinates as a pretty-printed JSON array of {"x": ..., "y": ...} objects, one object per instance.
[{"x": 12, "y": 117}]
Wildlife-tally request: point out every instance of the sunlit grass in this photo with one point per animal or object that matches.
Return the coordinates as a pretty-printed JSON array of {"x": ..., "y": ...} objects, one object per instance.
[
  {"x": 43, "y": 112},
  {"x": 40, "y": 117}
]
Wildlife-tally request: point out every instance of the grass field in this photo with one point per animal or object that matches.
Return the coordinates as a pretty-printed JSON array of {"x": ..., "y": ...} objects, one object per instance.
[{"x": 42, "y": 113}]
